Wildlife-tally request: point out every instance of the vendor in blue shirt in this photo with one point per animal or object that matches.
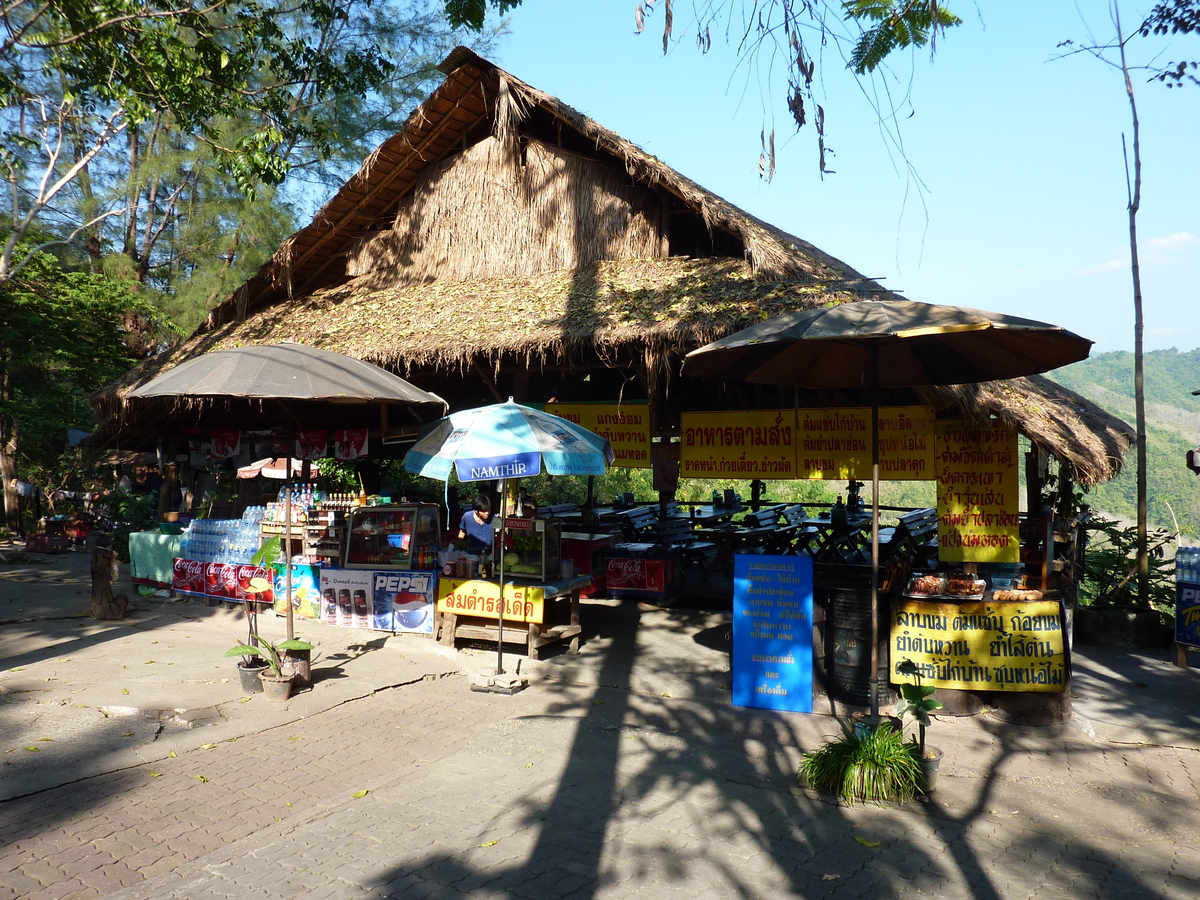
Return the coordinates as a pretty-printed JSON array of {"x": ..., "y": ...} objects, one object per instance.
[{"x": 476, "y": 525}]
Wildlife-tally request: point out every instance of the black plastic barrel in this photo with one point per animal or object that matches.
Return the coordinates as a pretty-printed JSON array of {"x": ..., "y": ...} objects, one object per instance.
[{"x": 848, "y": 650}]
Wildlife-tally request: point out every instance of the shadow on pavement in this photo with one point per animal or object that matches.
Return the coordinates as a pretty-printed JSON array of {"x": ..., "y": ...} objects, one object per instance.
[{"x": 662, "y": 793}]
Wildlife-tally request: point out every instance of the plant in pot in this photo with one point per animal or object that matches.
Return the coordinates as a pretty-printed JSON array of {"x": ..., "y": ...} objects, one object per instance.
[
  {"x": 276, "y": 685},
  {"x": 917, "y": 701},
  {"x": 865, "y": 763},
  {"x": 250, "y": 668}
]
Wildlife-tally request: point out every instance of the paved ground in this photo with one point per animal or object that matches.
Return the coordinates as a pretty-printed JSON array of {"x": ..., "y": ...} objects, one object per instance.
[{"x": 621, "y": 772}]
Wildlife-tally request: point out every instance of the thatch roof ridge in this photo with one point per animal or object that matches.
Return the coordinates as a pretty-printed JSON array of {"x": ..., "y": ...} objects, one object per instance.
[{"x": 303, "y": 258}]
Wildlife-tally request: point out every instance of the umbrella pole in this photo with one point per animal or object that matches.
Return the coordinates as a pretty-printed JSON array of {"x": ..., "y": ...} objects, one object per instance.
[
  {"x": 500, "y": 629},
  {"x": 873, "y": 376},
  {"x": 287, "y": 543}
]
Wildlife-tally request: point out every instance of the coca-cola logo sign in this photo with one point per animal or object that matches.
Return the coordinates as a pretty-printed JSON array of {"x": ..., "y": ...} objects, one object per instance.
[
  {"x": 188, "y": 567},
  {"x": 187, "y": 576},
  {"x": 634, "y": 574}
]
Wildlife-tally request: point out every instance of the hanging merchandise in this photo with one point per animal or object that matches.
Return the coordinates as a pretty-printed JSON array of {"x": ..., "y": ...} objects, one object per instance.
[
  {"x": 312, "y": 443},
  {"x": 349, "y": 443},
  {"x": 225, "y": 444},
  {"x": 197, "y": 451}
]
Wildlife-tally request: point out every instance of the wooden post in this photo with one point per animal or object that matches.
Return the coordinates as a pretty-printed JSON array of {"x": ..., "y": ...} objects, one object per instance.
[
  {"x": 170, "y": 477},
  {"x": 106, "y": 569}
]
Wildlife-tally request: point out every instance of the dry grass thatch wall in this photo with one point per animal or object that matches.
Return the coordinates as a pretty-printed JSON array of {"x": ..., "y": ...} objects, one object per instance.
[{"x": 485, "y": 213}]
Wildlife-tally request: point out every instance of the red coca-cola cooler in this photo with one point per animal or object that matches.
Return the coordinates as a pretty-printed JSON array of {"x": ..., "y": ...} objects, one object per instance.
[{"x": 641, "y": 571}]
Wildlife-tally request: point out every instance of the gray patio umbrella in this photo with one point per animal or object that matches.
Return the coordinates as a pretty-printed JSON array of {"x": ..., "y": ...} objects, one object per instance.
[
  {"x": 287, "y": 371},
  {"x": 237, "y": 388},
  {"x": 886, "y": 343}
]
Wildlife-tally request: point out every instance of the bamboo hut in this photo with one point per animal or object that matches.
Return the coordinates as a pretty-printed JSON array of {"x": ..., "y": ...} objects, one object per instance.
[{"x": 504, "y": 244}]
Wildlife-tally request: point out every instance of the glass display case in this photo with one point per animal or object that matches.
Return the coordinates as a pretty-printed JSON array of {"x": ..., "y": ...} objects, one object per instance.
[
  {"x": 533, "y": 549},
  {"x": 403, "y": 536}
]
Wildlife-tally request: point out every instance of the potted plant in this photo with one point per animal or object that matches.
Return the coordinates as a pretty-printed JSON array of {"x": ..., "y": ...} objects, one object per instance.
[
  {"x": 917, "y": 701},
  {"x": 276, "y": 685},
  {"x": 863, "y": 764},
  {"x": 250, "y": 668}
]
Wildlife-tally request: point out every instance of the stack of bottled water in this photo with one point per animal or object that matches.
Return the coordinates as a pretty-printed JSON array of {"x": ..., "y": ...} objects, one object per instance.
[
  {"x": 223, "y": 540},
  {"x": 1187, "y": 565}
]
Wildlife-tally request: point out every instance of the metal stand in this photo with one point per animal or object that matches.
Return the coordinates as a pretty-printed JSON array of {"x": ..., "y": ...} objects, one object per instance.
[{"x": 499, "y": 682}]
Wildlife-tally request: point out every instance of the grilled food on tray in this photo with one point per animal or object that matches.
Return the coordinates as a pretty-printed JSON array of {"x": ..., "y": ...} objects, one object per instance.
[{"x": 964, "y": 586}]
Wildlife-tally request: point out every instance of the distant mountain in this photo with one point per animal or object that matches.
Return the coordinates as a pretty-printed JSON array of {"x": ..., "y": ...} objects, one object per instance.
[{"x": 1172, "y": 428}]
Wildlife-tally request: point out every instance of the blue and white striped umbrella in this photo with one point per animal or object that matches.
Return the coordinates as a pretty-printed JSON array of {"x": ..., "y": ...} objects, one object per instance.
[{"x": 506, "y": 440}]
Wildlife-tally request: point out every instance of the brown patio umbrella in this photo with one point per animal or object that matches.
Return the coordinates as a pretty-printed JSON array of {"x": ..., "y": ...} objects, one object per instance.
[
  {"x": 886, "y": 343},
  {"x": 239, "y": 388}
]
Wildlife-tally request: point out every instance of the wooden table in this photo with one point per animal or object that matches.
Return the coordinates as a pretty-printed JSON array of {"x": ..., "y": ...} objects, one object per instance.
[
  {"x": 711, "y": 515},
  {"x": 450, "y": 626},
  {"x": 828, "y": 537},
  {"x": 730, "y": 538}
]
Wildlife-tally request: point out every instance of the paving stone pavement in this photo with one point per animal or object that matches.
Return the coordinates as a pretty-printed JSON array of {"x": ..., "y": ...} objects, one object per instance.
[{"x": 593, "y": 783}]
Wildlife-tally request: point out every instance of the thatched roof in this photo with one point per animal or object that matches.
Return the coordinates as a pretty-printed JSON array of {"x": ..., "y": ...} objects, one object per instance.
[
  {"x": 478, "y": 99},
  {"x": 617, "y": 310},
  {"x": 394, "y": 270},
  {"x": 1086, "y": 437}
]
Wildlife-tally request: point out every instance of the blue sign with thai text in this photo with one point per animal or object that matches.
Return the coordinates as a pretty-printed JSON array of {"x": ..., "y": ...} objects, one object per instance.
[{"x": 772, "y": 632}]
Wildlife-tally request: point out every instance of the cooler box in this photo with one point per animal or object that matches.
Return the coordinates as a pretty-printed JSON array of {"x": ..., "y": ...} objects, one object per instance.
[
  {"x": 47, "y": 543},
  {"x": 586, "y": 553},
  {"x": 641, "y": 571}
]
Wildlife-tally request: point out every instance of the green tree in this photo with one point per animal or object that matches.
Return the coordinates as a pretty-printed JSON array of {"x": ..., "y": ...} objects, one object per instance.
[
  {"x": 169, "y": 155},
  {"x": 62, "y": 336}
]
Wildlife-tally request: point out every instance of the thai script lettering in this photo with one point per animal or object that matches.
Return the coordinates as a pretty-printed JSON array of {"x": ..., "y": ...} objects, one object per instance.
[
  {"x": 1018, "y": 646},
  {"x": 834, "y": 422},
  {"x": 906, "y": 643},
  {"x": 776, "y": 435}
]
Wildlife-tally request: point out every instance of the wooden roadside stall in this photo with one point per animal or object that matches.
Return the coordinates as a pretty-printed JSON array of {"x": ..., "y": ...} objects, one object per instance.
[{"x": 504, "y": 244}]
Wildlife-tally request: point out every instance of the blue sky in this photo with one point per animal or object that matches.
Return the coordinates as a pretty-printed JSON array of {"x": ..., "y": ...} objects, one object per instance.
[{"x": 1023, "y": 209}]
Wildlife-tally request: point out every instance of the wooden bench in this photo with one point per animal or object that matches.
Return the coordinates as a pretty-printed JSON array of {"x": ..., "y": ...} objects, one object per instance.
[
  {"x": 916, "y": 531},
  {"x": 635, "y": 523},
  {"x": 560, "y": 509},
  {"x": 675, "y": 511},
  {"x": 761, "y": 519},
  {"x": 679, "y": 535},
  {"x": 792, "y": 534}
]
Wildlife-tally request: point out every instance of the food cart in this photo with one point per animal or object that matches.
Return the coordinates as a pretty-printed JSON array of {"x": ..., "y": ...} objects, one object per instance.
[{"x": 541, "y": 606}]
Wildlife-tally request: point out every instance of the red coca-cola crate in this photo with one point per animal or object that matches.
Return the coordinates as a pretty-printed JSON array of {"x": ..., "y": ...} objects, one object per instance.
[
  {"x": 47, "y": 543},
  {"x": 641, "y": 571}
]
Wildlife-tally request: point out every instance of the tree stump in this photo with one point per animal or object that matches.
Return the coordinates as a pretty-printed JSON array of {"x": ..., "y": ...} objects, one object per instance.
[{"x": 106, "y": 568}]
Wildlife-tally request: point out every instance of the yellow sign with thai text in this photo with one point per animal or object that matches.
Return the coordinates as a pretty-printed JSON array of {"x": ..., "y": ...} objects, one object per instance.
[
  {"x": 744, "y": 444},
  {"x": 482, "y": 598},
  {"x": 835, "y": 443},
  {"x": 980, "y": 646},
  {"x": 626, "y": 425},
  {"x": 977, "y": 493}
]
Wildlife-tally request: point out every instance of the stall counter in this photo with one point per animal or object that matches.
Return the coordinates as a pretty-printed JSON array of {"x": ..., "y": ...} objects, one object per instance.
[{"x": 535, "y": 613}]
